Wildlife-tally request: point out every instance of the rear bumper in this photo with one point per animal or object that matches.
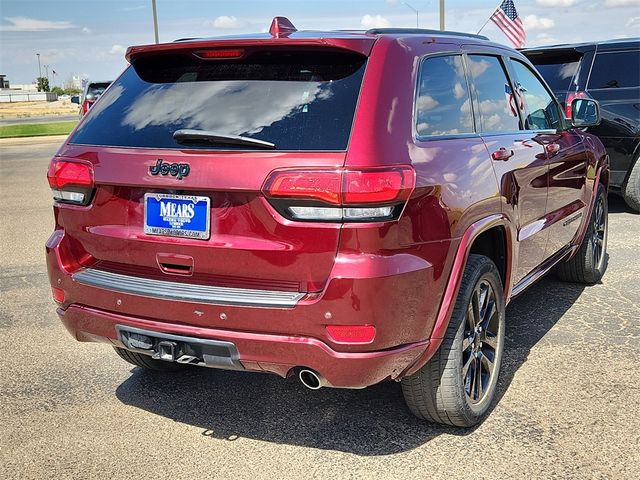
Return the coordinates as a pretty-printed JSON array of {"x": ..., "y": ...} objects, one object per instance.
[
  {"x": 277, "y": 354},
  {"x": 399, "y": 295}
]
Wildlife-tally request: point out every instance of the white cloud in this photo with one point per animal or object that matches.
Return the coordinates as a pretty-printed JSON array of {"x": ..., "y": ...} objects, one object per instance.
[
  {"x": 392, "y": 2},
  {"x": 26, "y": 24},
  {"x": 555, "y": 3},
  {"x": 117, "y": 50},
  {"x": 533, "y": 22},
  {"x": 622, "y": 3},
  {"x": 633, "y": 22},
  {"x": 86, "y": 30},
  {"x": 225, "y": 21},
  {"x": 375, "y": 21}
]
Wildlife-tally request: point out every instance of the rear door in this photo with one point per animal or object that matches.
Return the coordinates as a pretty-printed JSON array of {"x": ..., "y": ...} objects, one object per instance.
[
  {"x": 301, "y": 101},
  {"x": 615, "y": 82},
  {"x": 567, "y": 158},
  {"x": 518, "y": 157}
]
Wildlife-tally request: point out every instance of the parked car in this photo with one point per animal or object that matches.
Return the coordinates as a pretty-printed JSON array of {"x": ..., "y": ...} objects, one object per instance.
[
  {"x": 610, "y": 73},
  {"x": 344, "y": 207},
  {"x": 90, "y": 94}
]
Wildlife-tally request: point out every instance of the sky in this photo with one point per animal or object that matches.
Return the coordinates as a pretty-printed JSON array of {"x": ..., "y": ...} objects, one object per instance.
[{"x": 89, "y": 37}]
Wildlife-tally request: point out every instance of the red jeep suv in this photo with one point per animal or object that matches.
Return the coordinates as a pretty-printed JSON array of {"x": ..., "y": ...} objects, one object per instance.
[{"x": 343, "y": 207}]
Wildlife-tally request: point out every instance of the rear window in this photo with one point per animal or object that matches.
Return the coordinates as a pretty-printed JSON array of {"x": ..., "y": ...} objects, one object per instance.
[
  {"x": 558, "y": 69},
  {"x": 97, "y": 89},
  {"x": 302, "y": 100},
  {"x": 616, "y": 70}
]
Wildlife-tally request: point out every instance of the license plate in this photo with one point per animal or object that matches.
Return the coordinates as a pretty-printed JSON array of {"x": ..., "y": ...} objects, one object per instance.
[{"x": 177, "y": 215}]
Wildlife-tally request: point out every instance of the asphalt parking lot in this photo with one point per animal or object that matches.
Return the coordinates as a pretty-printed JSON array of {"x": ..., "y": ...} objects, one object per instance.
[{"x": 568, "y": 396}]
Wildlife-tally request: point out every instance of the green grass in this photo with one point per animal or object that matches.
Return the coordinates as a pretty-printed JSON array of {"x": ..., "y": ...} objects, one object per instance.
[{"x": 36, "y": 129}]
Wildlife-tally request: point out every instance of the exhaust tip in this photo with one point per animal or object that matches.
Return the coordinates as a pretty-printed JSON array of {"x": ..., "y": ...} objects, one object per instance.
[{"x": 310, "y": 379}]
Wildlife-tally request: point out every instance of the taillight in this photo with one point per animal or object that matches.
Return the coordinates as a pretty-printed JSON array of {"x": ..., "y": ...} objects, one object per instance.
[
  {"x": 340, "y": 195},
  {"x": 571, "y": 96},
  {"x": 71, "y": 181},
  {"x": 85, "y": 106}
]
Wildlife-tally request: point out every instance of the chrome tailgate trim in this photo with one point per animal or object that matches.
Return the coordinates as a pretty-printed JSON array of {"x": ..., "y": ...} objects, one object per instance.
[{"x": 186, "y": 292}]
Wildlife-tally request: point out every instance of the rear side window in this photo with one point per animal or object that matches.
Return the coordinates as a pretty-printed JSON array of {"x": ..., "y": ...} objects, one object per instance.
[
  {"x": 616, "y": 70},
  {"x": 298, "y": 100},
  {"x": 542, "y": 111},
  {"x": 498, "y": 112},
  {"x": 557, "y": 68},
  {"x": 443, "y": 106}
]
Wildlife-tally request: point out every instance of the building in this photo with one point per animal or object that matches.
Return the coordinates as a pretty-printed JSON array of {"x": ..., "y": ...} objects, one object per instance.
[{"x": 4, "y": 83}]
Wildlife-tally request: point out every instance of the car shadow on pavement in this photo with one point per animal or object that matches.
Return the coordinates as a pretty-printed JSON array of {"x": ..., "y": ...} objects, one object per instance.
[
  {"x": 374, "y": 421},
  {"x": 618, "y": 205}
]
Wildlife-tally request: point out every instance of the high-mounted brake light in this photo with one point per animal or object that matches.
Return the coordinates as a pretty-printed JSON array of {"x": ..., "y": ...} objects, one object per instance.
[
  {"x": 571, "y": 96},
  {"x": 71, "y": 181},
  {"x": 220, "y": 53},
  {"x": 363, "y": 195}
]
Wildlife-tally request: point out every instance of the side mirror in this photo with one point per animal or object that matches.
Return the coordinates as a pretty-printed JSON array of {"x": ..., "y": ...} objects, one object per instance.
[
  {"x": 75, "y": 99},
  {"x": 585, "y": 113}
]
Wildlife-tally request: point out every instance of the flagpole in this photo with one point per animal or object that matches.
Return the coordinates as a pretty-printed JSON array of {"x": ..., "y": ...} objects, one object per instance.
[{"x": 488, "y": 19}]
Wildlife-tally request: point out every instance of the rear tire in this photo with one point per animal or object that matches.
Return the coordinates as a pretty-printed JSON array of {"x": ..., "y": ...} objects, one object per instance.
[
  {"x": 148, "y": 363},
  {"x": 631, "y": 189},
  {"x": 589, "y": 263},
  {"x": 458, "y": 385}
]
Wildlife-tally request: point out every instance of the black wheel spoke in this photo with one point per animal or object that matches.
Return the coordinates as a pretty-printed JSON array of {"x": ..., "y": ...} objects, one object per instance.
[
  {"x": 479, "y": 391},
  {"x": 465, "y": 367}
]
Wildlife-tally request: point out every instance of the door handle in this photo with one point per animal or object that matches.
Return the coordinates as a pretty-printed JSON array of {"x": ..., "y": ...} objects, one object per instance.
[
  {"x": 502, "y": 154},
  {"x": 175, "y": 264},
  {"x": 552, "y": 148}
]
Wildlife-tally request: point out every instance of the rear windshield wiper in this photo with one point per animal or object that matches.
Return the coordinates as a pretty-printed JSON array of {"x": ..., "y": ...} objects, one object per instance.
[{"x": 204, "y": 136}]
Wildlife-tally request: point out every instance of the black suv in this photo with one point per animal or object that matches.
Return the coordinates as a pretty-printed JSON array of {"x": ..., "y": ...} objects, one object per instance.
[{"x": 610, "y": 73}]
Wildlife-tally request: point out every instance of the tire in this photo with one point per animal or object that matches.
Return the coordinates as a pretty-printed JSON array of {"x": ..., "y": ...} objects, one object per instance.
[
  {"x": 589, "y": 263},
  {"x": 443, "y": 390},
  {"x": 147, "y": 363},
  {"x": 631, "y": 188}
]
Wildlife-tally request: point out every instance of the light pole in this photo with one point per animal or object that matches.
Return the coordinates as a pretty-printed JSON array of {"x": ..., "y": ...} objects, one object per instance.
[
  {"x": 155, "y": 19},
  {"x": 39, "y": 68},
  {"x": 441, "y": 15},
  {"x": 417, "y": 13}
]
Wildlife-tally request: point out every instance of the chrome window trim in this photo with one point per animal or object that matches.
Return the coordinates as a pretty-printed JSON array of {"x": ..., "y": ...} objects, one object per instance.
[{"x": 186, "y": 292}]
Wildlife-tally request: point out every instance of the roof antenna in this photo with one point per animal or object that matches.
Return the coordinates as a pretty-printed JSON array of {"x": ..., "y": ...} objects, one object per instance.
[{"x": 281, "y": 27}]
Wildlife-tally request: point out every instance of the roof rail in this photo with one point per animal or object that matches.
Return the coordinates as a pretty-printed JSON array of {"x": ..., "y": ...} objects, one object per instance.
[{"x": 422, "y": 31}]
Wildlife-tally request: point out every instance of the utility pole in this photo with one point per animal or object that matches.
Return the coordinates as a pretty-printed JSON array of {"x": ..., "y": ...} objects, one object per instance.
[
  {"x": 441, "y": 15},
  {"x": 417, "y": 13},
  {"x": 155, "y": 20},
  {"x": 39, "y": 68}
]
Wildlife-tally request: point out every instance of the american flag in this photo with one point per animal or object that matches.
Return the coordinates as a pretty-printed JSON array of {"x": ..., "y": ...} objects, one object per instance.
[{"x": 507, "y": 19}]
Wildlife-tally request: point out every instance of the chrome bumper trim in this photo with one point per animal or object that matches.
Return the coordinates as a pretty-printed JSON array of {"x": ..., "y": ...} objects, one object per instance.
[{"x": 186, "y": 292}]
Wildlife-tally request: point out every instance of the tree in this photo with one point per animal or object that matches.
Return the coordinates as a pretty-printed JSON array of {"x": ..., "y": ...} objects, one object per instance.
[
  {"x": 72, "y": 91},
  {"x": 57, "y": 90},
  {"x": 43, "y": 84}
]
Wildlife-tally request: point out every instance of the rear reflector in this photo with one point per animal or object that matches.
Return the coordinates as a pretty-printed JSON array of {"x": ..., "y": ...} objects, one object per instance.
[
  {"x": 226, "y": 53},
  {"x": 58, "y": 294},
  {"x": 351, "y": 333}
]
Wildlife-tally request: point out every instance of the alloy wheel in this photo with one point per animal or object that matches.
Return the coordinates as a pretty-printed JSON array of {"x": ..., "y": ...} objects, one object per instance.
[{"x": 480, "y": 345}]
